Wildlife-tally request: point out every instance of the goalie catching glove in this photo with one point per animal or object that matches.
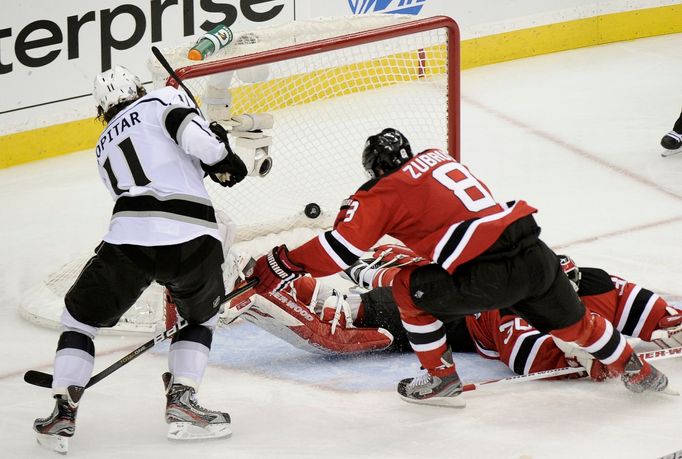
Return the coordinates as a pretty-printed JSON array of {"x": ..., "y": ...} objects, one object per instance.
[{"x": 577, "y": 357}]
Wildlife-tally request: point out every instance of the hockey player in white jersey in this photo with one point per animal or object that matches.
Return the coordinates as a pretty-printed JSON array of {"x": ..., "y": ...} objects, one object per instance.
[{"x": 152, "y": 156}]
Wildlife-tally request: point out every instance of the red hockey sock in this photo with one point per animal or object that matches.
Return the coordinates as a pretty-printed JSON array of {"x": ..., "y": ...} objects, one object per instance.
[{"x": 597, "y": 336}]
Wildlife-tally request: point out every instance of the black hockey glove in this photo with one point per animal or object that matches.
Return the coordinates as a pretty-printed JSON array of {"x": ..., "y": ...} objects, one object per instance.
[
  {"x": 227, "y": 172},
  {"x": 230, "y": 170}
]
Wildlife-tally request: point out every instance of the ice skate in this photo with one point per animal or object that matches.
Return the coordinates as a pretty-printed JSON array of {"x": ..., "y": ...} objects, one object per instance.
[
  {"x": 54, "y": 431},
  {"x": 187, "y": 420},
  {"x": 428, "y": 389},
  {"x": 440, "y": 386},
  {"x": 672, "y": 142},
  {"x": 639, "y": 376}
]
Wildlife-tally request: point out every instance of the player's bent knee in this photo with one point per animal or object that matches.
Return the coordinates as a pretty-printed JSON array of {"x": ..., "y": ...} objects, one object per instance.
[
  {"x": 195, "y": 333},
  {"x": 200, "y": 316},
  {"x": 69, "y": 322},
  {"x": 432, "y": 289}
]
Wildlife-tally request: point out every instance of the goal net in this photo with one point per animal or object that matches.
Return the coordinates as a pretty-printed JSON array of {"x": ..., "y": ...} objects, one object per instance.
[{"x": 328, "y": 84}]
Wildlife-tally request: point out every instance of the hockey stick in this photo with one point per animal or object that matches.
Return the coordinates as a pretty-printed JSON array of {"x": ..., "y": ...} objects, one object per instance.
[
  {"x": 38, "y": 378},
  {"x": 164, "y": 63},
  {"x": 649, "y": 355}
]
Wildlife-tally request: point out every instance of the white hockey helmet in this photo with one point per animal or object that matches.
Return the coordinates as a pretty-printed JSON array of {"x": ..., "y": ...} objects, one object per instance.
[{"x": 115, "y": 86}]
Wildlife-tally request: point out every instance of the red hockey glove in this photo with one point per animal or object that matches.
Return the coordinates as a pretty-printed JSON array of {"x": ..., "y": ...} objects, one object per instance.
[
  {"x": 668, "y": 331},
  {"x": 275, "y": 270},
  {"x": 596, "y": 370}
]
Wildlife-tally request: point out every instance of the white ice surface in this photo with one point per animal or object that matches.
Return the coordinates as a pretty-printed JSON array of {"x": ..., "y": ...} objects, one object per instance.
[{"x": 575, "y": 134}]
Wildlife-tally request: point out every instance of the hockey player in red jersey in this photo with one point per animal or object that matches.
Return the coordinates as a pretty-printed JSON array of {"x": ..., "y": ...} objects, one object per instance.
[
  {"x": 500, "y": 334},
  {"x": 317, "y": 318},
  {"x": 485, "y": 255}
]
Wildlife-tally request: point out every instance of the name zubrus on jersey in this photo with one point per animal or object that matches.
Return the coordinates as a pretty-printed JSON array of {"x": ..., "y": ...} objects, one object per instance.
[
  {"x": 425, "y": 161},
  {"x": 34, "y": 44}
]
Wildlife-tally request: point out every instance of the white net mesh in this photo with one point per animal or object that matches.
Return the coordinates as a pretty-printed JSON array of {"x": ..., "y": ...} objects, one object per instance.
[{"x": 324, "y": 106}]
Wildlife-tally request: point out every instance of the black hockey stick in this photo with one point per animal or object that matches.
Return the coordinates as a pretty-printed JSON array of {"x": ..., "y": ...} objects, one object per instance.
[
  {"x": 164, "y": 63},
  {"x": 38, "y": 378}
]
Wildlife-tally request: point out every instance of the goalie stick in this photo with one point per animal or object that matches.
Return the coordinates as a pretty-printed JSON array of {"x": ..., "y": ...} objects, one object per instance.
[
  {"x": 38, "y": 378},
  {"x": 659, "y": 354}
]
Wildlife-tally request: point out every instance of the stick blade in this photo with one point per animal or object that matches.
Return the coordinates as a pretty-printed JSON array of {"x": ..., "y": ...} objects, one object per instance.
[{"x": 38, "y": 378}]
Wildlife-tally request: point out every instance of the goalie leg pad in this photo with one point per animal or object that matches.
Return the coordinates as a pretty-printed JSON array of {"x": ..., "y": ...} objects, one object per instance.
[{"x": 280, "y": 314}]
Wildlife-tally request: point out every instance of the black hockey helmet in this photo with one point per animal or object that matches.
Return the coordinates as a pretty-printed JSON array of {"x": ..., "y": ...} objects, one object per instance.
[
  {"x": 385, "y": 152},
  {"x": 570, "y": 269}
]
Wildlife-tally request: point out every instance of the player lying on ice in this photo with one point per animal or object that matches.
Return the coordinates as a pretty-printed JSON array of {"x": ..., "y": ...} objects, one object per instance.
[
  {"x": 315, "y": 317},
  {"x": 486, "y": 256}
]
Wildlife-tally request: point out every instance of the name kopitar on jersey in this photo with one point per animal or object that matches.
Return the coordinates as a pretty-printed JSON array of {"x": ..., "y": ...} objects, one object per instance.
[
  {"x": 116, "y": 129},
  {"x": 424, "y": 161}
]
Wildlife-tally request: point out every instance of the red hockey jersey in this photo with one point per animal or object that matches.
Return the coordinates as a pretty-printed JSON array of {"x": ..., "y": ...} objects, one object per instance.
[
  {"x": 433, "y": 204},
  {"x": 633, "y": 310}
]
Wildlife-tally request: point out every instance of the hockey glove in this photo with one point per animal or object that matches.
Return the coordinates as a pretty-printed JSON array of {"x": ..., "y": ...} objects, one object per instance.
[
  {"x": 275, "y": 270},
  {"x": 230, "y": 170}
]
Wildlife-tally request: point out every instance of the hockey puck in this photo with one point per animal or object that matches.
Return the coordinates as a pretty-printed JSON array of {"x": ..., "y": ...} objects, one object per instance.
[{"x": 312, "y": 210}]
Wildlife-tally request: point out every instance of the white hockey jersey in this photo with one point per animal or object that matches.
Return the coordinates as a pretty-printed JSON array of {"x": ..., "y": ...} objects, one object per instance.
[{"x": 149, "y": 158}]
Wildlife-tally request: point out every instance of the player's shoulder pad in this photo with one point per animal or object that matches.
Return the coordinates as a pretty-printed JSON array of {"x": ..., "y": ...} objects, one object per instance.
[
  {"x": 168, "y": 95},
  {"x": 164, "y": 94},
  {"x": 594, "y": 281}
]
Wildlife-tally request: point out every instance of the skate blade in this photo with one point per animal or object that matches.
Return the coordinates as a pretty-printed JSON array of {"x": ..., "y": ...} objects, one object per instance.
[
  {"x": 670, "y": 391},
  {"x": 448, "y": 402},
  {"x": 186, "y": 431},
  {"x": 55, "y": 443},
  {"x": 666, "y": 153}
]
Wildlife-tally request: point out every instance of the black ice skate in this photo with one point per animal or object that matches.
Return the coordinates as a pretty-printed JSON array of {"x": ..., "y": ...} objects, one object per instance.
[
  {"x": 672, "y": 142},
  {"x": 53, "y": 432},
  {"x": 187, "y": 419},
  {"x": 434, "y": 389},
  {"x": 639, "y": 376}
]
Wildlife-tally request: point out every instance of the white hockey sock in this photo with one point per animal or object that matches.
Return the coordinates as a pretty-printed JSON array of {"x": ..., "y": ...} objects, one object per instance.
[{"x": 187, "y": 362}]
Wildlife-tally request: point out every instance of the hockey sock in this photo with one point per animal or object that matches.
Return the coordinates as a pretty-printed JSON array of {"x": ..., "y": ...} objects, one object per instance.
[
  {"x": 74, "y": 361},
  {"x": 188, "y": 355},
  {"x": 597, "y": 336}
]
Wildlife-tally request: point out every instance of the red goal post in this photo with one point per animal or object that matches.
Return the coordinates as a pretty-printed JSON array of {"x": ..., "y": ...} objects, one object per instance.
[{"x": 345, "y": 41}]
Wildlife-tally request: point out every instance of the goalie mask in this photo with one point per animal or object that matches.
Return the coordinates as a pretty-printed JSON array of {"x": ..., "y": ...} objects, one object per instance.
[
  {"x": 115, "y": 86},
  {"x": 570, "y": 269},
  {"x": 385, "y": 152}
]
